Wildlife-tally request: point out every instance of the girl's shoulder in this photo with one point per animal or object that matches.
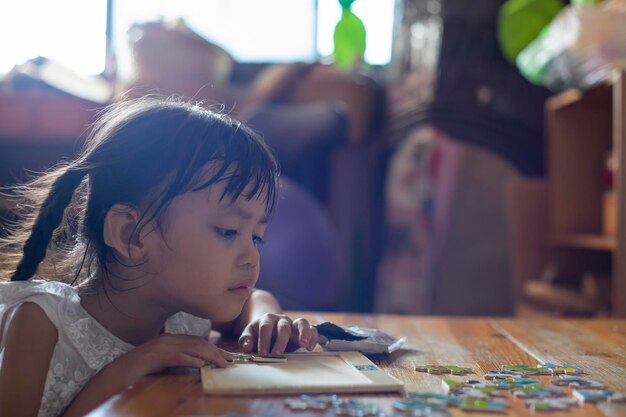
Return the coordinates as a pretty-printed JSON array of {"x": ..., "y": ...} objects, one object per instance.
[
  {"x": 61, "y": 303},
  {"x": 20, "y": 290}
]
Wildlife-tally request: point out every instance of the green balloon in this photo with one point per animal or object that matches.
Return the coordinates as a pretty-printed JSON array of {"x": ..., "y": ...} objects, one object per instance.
[
  {"x": 349, "y": 39},
  {"x": 521, "y": 21}
]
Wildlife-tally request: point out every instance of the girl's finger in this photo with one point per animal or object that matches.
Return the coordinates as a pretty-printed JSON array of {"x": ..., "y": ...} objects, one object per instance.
[
  {"x": 205, "y": 351},
  {"x": 315, "y": 337},
  {"x": 283, "y": 330},
  {"x": 181, "y": 359},
  {"x": 247, "y": 339},
  {"x": 303, "y": 331},
  {"x": 266, "y": 332}
]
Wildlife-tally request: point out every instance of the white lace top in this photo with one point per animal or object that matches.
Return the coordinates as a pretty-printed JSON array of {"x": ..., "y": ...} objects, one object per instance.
[{"x": 84, "y": 346}]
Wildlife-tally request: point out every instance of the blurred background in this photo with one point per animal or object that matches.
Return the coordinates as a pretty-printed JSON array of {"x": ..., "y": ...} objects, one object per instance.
[{"x": 439, "y": 157}]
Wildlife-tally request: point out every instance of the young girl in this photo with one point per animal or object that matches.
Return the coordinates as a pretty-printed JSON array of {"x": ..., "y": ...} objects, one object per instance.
[{"x": 154, "y": 228}]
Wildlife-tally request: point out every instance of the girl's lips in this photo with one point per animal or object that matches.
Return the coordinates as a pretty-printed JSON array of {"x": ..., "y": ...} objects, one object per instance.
[{"x": 242, "y": 290}]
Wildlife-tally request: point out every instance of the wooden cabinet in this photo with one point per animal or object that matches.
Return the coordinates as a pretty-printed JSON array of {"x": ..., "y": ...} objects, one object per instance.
[{"x": 582, "y": 131}]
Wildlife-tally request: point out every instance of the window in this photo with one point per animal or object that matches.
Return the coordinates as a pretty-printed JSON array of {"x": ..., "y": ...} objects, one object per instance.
[{"x": 73, "y": 31}]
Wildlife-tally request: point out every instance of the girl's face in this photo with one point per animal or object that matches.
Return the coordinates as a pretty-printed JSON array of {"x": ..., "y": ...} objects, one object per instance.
[{"x": 205, "y": 258}]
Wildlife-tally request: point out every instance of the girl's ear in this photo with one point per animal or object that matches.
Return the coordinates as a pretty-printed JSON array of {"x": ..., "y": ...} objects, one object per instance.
[{"x": 121, "y": 232}]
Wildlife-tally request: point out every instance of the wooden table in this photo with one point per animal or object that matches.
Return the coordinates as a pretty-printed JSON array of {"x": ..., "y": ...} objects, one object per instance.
[{"x": 597, "y": 345}]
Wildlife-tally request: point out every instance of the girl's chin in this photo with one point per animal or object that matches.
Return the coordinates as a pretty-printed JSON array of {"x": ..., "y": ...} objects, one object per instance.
[{"x": 226, "y": 314}]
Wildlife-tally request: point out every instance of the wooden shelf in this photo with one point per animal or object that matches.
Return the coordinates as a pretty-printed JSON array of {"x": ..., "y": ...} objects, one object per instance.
[
  {"x": 565, "y": 300},
  {"x": 567, "y": 98},
  {"x": 582, "y": 130},
  {"x": 585, "y": 241}
]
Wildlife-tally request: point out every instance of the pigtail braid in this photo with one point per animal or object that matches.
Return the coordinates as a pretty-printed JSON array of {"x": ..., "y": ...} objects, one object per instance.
[{"x": 48, "y": 219}]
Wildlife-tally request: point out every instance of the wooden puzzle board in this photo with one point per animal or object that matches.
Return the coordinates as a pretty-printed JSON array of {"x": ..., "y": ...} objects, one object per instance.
[{"x": 310, "y": 372}]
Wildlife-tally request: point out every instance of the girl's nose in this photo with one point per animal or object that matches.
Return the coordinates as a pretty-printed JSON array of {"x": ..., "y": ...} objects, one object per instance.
[{"x": 249, "y": 256}]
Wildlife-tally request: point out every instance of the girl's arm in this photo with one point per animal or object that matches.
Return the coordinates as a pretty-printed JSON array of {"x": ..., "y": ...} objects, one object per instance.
[
  {"x": 30, "y": 341},
  {"x": 164, "y": 351},
  {"x": 262, "y": 326},
  {"x": 259, "y": 303}
]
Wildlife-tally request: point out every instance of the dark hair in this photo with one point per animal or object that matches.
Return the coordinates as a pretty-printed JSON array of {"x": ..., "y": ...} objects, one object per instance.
[{"x": 141, "y": 153}]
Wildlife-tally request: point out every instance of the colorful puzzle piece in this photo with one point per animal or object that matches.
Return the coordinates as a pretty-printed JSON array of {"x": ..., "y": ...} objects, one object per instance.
[
  {"x": 444, "y": 369},
  {"x": 247, "y": 357},
  {"x": 597, "y": 395},
  {"x": 539, "y": 391},
  {"x": 473, "y": 389},
  {"x": 410, "y": 405},
  {"x": 434, "y": 398},
  {"x": 561, "y": 369},
  {"x": 418, "y": 413},
  {"x": 526, "y": 370},
  {"x": 550, "y": 404},
  {"x": 313, "y": 402},
  {"x": 490, "y": 406},
  {"x": 576, "y": 381},
  {"x": 495, "y": 375},
  {"x": 514, "y": 382},
  {"x": 354, "y": 408},
  {"x": 366, "y": 368}
]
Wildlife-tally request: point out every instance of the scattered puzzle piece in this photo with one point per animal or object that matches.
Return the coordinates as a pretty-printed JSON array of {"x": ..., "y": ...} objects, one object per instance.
[
  {"x": 526, "y": 370},
  {"x": 561, "y": 369},
  {"x": 497, "y": 374},
  {"x": 490, "y": 406},
  {"x": 576, "y": 381},
  {"x": 354, "y": 408},
  {"x": 444, "y": 369},
  {"x": 584, "y": 395},
  {"x": 366, "y": 367},
  {"x": 514, "y": 382},
  {"x": 247, "y": 357},
  {"x": 313, "y": 402},
  {"x": 539, "y": 391},
  {"x": 550, "y": 404},
  {"x": 415, "y": 404},
  {"x": 434, "y": 398},
  {"x": 418, "y": 413},
  {"x": 474, "y": 389}
]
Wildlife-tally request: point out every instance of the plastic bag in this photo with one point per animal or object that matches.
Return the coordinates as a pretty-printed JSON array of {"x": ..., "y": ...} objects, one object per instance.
[
  {"x": 579, "y": 47},
  {"x": 337, "y": 338}
]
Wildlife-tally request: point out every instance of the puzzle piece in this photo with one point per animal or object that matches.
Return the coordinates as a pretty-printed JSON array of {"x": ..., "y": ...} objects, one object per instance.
[
  {"x": 490, "y": 406},
  {"x": 550, "y": 404},
  {"x": 576, "y": 381},
  {"x": 418, "y": 413},
  {"x": 497, "y": 375},
  {"x": 414, "y": 404},
  {"x": 539, "y": 391},
  {"x": 354, "y": 408},
  {"x": 514, "y": 382},
  {"x": 597, "y": 395},
  {"x": 366, "y": 367},
  {"x": 247, "y": 357},
  {"x": 561, "y": 369},
  {"x": 434, "y": 398},
  {"x": 444, "y": 369},
  {"x": 313, "y": 402},
  {"x": 473, "y": 389},
  {"x": 526, "y": 370}
]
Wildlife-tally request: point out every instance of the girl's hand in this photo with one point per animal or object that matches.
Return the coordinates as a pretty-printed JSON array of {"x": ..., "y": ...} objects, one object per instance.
[
  {"x": 170, "y": 350},
  {"x": 274, "y": 333}
]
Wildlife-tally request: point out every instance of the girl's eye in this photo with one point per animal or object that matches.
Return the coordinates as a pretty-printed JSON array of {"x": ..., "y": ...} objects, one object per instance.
[
  {"x": 226, "y": 233},
  {"x": 258, "y": 240}
]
